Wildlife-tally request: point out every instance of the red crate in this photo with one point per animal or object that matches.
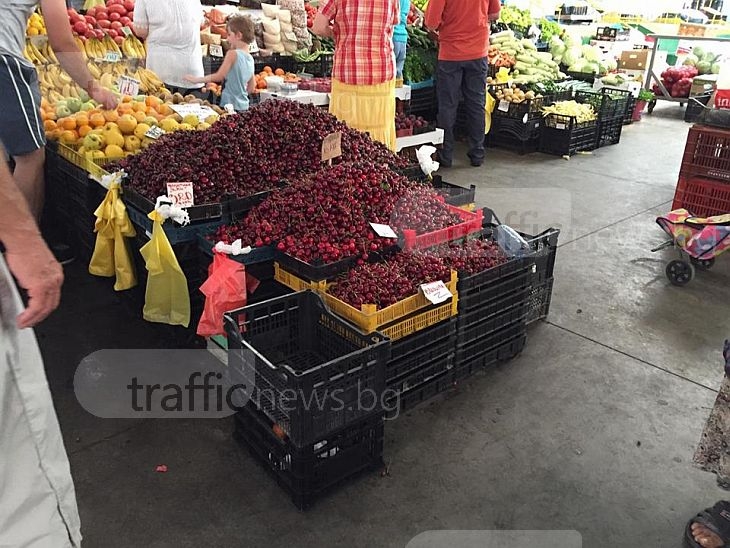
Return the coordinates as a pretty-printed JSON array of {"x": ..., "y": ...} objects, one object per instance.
[
  {"x": 702, "y": 197},
  {"x": 707, "y": 154},
  {"x": 471, "y": 222}
]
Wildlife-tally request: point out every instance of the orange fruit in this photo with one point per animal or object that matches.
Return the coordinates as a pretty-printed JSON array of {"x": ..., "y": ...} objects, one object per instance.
[
  {"x": 138, "y": 106},
  {"x": 164, "y": 109},
  {"x": 67, "y": 123},
  {"x": 82, "y": 119},
  {"x": 111, "y": 115},
  {"x": 127, "y": 98},
  {"x": 268, "y": 70},
  {"x": 97, "y": 119},
  {"x": 49, "y": 125},
  {"x": 279, "y": 72},
  {"x": 68, "y": 137},
  {"x": 125, "y": 108},
  {"x": 152, "y": 101},
  {"x": 84, "y": 130},
  {"x": 139, "y": 115}
]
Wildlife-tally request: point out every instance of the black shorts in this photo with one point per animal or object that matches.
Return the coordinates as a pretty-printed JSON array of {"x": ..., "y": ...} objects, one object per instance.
[{"x": 21, "y": 127}]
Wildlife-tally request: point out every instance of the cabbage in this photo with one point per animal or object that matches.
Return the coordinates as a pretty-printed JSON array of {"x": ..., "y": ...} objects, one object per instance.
[
  {"x": 569, "y": 41},
  {"x": 715, "y": 69},
  {"x": 578, "y": 66},
  {"x": 556, "y": 41},
  {"x": 698, "y": 52},
  {"x": 603, "y": 67},
  {"x": 590, "y": 53},
  {"x": 572, "y": 56},
  {"x": 592, "y": 67},
  {"x": 709, "y": 57},
  {"x": 704, "y": 67},
  {"x": 691, "y": 60}
]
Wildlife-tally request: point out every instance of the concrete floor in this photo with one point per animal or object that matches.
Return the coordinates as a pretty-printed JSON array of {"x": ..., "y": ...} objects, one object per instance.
[{"x": 592, "y": 428}]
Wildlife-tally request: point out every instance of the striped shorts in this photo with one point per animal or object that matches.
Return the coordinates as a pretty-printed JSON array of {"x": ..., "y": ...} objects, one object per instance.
[{"x": 21, "y": 127}]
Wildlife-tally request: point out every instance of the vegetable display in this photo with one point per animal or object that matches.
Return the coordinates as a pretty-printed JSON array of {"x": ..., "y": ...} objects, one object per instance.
[
  {"x": 514, "y": 94},
  {"x": 420, "y": 63},
  {"x": 705, "y": 62},
  {"x": 582, "y": 112},
  {"x": 530, "y": 65},
  {"x": 516, "y": 19},
  {"x": 677, "y": 81},
  {"x": 577, "y": 58},
  {"x": 548, "y": 29}
]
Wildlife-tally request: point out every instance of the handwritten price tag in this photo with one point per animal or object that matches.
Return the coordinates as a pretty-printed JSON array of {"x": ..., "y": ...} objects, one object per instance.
[
  {"x": 128, "y": 86},
  {"x": 215, "y": 50},
  {"x": 559, "y": 126},
  {"x": 127, "y": 31},
  {"x": 290, "y": 36},
  {"x": 253, "y": 47},
  {"x": 181, "y": 194},
  {"x": 155, "y": 132},
  {"x": 503, "y": 106},
  {"x": 436, "y": 292},
  {"x": 384, "y": 231},
  {"x": 112, "y": 57},
  {"x": 332, "y": 146}
]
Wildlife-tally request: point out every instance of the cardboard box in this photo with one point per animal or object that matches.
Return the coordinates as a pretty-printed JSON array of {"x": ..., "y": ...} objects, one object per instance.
[
  {"x": 634, "y": 60},
  {"x": 703, "y": 84}
]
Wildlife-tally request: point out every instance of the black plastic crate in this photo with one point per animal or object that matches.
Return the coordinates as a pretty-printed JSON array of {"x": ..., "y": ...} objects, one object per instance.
[
  {"x": 509, "y": 344},
  {"x": 307, "y": 473},
  {"x": 521, "y": 136},
  {"x": 539, "y": 300},
  {"x": 553, "y": 97},
  {"x": 319, "y": 68},
  {"x": 528, "y": 109},
  {"x": 419, "y": 394},
  {"x": 506, "y": 142},
  {"x": 211, "y": 64},
  {"x": 695, "y": 106},
  {"x": 293, "y": 343},
  {"x": 581, "y": 76},
  {"x": 423, "y": 102},
  {"x": 545, "y": 247},
  {"x": 563, "y": 135},
  {"x": 477, "y": 328},
  {"x": 415, "y": 352},
  {"x": 455, "y": 195},
  {"x": 629, "y": 116},
  {"x": 492, "y": 339},
  {"x": 609, "y": 132},
  {"x": 609, "y": 103},
  {"x": 317, "y": 271}
]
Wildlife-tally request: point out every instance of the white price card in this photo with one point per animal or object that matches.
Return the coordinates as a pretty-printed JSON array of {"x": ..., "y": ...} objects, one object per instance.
[
  {"x": 128, "y": 86},
  {"x": 503, "y": 106},
  {"x": 253, "y": 47},
  {"x": 215, "y": 50},
  {"x": 559, "y": 126},
  {"x": 127, "y": 31},
  {"x": 155, "y": 132},
  {"x": 332, "y": 146},
  {"x": 290, "y": 36},
  {"x": 436, "y": 292},
  {"x": 384, "y": 231},
  {"x": 112, "y": 57},
  {"x": 181, "y": 194},
  {"x": 202, "y": 112}
]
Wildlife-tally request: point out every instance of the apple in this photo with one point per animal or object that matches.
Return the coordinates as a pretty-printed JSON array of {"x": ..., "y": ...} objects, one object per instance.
[
  {"x": 101, "y": 13},
  {"x": 79, "y": 27},
  {"x": 114, "y": 16},
  {"x": 113, "y": 3},
  {"x": 90, "y": 33},
  {"x": 90, "y": 20},
  {"x": 126, "y": 21},
  {"x": 112, "y": 32},
  {"x": 129, "y": 5},
  {"x": 91, "y": 12},
  {"x": 119, "y": 40},
  {"x": 103, "y": 23},
  {"x": 82, "y": 37},
  {"x": 117, "y": 8},
  {"x": 99, "y": 34},
  {"x": 116, "y": 25}
]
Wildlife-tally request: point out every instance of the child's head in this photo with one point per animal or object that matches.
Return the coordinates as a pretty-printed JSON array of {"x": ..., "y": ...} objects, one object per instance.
[{"x": 241, "y": 25}]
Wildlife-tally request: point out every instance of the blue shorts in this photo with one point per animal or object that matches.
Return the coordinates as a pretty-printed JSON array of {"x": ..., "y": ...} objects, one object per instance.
[{"x": 21, "y": 127}]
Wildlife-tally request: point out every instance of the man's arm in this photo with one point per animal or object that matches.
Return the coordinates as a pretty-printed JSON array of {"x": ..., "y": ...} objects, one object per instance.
[
  {"x": 434, "y": 13},
  {"x": 141, "y": 25},
  {"x": 494, "y": 8},
  {"x": 27, "y": 255},
  {"x": 321, "y": 24},
  {"x": 67, "y": 51}
]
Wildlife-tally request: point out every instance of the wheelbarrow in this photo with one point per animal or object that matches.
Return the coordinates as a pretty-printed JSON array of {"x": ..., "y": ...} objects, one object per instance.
[{"x": 698, "y": 241}]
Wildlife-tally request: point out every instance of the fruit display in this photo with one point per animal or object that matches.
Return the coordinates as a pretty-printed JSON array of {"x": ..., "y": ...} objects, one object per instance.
[
  {"x": 677, "y": 80},
  {"x": 499, "y": 58},
  {"x": 705, "y": 62},
  {"x": 249, "y": 152},
  {"x": 413, "y": 122},
  {"x": 516, "y": 19},
  {"x": 268, "y": 71},
  {"x": 104, "y": 20},
  {"x": 384, "y": 284},
  {"x": 311, "y": 13},
  {"x": 470, "y": 257},
  {"x": 36, "y": 25},
  {"x": 322, "y": 85}
]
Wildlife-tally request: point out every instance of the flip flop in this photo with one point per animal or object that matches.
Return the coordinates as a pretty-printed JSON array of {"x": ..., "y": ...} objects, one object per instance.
[{"x": 716, "y": 519}]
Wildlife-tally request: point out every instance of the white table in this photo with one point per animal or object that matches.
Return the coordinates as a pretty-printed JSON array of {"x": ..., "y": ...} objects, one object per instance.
[
  {"x": 302, "y": 96},
  {"x": 403, "y": 93},
  {"x": 435, "y": 137}
]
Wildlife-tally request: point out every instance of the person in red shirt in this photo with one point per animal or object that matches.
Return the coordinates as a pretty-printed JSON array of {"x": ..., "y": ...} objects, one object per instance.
[
  {"x": 363, "y": 74},
  {"x": 462, "y": 27}
]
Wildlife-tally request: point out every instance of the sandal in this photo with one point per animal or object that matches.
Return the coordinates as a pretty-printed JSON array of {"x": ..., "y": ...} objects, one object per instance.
[{"x": 716, "y": 519}]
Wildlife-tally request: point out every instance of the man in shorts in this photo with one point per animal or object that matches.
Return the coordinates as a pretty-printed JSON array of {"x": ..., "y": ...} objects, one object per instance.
[{"x": 21, "y": 127}]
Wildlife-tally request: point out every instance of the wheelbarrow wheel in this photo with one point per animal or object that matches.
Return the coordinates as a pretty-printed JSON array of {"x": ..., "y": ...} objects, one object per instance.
[
  {"x": 650, "y": 108},
  {"x": 680, "y": 273},
  {"x": 703, "y": 264}
]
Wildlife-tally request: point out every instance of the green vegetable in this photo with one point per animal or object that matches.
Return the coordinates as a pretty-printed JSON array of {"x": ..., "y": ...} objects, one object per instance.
[
  {"x": 582, "y": 112},
  {"x": 548, "y": 29}
]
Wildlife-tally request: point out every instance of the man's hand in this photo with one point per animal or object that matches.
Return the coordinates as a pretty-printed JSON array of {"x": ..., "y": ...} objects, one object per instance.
[
  {"x": 433, "y": 35},
  {"x": 38, "y": 272},
  {"x": 102, "y": 95}
]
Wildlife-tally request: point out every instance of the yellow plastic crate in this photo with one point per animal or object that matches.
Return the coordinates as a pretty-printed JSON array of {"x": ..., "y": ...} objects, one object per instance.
[
  {"x": 421, "y": 321},
  {"x": 93, "y": 166},
  {"x": 369, "y": 318}
]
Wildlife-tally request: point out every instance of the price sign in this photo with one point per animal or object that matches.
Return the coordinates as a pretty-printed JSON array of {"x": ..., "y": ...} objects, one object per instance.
[
  {"x": 290, "y": 36},
  {"x": 253, "y": 47},
  {"x": 181, "y": 194},
  {"x": 126, "y": 31},
  {"x": 155, "y": 132},
  {"x": 384, "y": 231},
  {"x": 559, "y": 126},
  {"x": 215, "y": 50},
  {"x": 503, "y": 106},
  {"x": 128, "y": 86},
  {"x": 332, "y": 146},
  {"x": 436, "y": 292},
  {"x": 202, "y": 112},
  {"x": 112, "y": 57}
]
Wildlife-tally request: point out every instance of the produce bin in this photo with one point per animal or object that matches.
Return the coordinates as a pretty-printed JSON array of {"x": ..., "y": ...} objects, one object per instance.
[
  {"x": 564, "y": 136},
  {"x": 307, "y": 473},
  {"x": 275, "y": 61},
  {"x": 319, "y": 68},
  {"x": 471, "y": 222},
  {"x": 629, "y": 117},
  {"x": 293, "y": 348},
  {"x": 257, "y": 255},
  {"x": 501, "y": 346},
  {"x": 609, "y": 103},
  {"x": 419, "y": 394},
  {"x": 545, "y": 247},
  {"x": 707, "y": 154},
  {"x": 175, "y": 232},
  {"x": 521, "y": 136},
  {"x": 609, "y": 131},
  {"x": 318, "y": 271},
  {"x": 702, "y": 197},
  {"x": 695, "y": 106},
  {"x": 455, "y": 195},
  {"x": 423, "y": 101}
]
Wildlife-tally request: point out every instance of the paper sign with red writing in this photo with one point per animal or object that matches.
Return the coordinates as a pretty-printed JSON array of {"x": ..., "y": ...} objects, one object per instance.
[
  {"x": 128, "y": 86},
  {"x": 332, "y": 146},
  {"x": 126, "y": 31},
  {"x": 436, "y": 292},
  {"x": 181, "y": 194}
]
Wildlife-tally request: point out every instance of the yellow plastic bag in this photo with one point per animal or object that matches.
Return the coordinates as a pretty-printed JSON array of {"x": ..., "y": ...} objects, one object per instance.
[
  {"x": 488, "y": 109},
  {"x": 111, "y": 252},
  {"x": 166, "y": 299}
]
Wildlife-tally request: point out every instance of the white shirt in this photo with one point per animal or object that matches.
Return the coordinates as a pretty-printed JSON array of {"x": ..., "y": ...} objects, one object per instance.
[{"x": 173, "y": 42}]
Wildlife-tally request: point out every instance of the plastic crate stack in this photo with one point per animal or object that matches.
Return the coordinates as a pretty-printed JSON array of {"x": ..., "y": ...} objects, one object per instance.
[
  {"x": 703, "y": 187},
  {"x": 292, "y": 351},
  {"x": 516, "y": 126},
  {"x": 423, "y": 100},
  {"x": 611, "y": 106}
]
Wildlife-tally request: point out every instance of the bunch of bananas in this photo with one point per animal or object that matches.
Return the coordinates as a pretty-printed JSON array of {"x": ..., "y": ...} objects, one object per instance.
[
  {"x": 97, "y": 49},
  {"x": 39, "y": 55},
  {"x": 108, "y": 75},
  {"x": 57, "y": 85},
  {"x": 149, "y": 81},
  {"x": 133, "y": 48},
  {"x": 36, "y": 25}
]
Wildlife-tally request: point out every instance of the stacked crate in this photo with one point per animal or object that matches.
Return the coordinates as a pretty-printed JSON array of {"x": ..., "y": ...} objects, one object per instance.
[{"x": 703, "y": 187}]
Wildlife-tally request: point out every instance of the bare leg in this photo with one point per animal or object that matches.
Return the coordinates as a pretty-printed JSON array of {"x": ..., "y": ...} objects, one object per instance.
[{"x": 29, "y": 177}]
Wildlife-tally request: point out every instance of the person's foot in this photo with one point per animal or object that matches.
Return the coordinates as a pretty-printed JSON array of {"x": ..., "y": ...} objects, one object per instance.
[
  {"x": 63, "y": 253},
  {"x": 443, "y": 162},
  {"x": 706, "y": 537},
  {"x": 476, "y": 163}
]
